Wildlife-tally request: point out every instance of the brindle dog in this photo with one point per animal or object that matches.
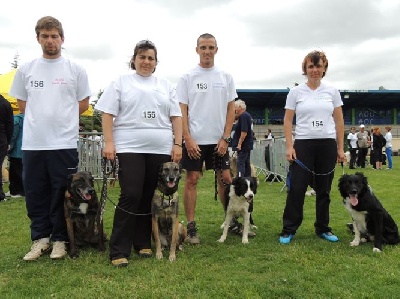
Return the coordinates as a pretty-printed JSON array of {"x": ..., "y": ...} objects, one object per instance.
[
  {"x": 82, "y": 213},
  {"x": 167, "y": 231}
]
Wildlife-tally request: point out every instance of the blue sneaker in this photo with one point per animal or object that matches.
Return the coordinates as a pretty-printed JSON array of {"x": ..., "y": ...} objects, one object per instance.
[
  {"x": 285, "y": 239},
  {"x": 329, "y": 237}
]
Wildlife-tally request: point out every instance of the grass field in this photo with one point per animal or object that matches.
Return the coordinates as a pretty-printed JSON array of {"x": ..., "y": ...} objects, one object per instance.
[{"x": 309, "y": 267}]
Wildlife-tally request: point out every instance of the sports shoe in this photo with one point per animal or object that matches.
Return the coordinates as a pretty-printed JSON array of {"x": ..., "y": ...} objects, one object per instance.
[
  {"x": 145, "y": 252},
  {"x": 8, "y": 194},
  {"x": 38, "y": 248},
  {"x": 121, "y": 262},
  {"x": 192, "y": 237},
  {"x": 59, "y": 250},
  {"x": 285, "y": 238},
  {"x": 329, "y": 237}
]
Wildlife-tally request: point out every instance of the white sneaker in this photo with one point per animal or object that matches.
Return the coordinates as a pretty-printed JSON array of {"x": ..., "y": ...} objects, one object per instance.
[
  {"x": 38, "y": 248},
  {"x": 16, "y": 196},
  {"x": 7, "y": 194},
  {"x": 59, "y": 250}
]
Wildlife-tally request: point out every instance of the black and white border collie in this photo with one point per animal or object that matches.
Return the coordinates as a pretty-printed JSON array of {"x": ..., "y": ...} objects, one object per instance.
[
  {"x": 369, "y": 216},
  {"x": 238, "y": 197}
]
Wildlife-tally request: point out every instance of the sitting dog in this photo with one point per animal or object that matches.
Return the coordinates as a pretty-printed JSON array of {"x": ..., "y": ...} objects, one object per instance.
[
  {"x": 369, "y": 216},
  {"x": 82, "y": 213},
  {"x": 238, "y": 197},
  {"x": 167, "y": 230}
]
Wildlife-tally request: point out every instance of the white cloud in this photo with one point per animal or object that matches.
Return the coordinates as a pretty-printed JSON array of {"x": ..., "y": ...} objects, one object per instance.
[{"x": 261, "y": 42}]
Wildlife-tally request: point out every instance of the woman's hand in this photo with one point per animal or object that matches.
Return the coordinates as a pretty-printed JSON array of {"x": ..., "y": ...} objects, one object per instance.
[
  {"x": 290, "y": 154},
  {"x": 176, "y": 153},
  {"x": 109, "y": 151}
]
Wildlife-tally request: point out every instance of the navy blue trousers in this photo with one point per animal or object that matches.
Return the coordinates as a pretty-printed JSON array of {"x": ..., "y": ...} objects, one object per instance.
[
  {"x": 243, "y": 163},
  {"x": 45, "y": 175}
]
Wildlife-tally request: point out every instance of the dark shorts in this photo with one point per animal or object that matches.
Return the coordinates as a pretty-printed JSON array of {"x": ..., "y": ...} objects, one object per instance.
[{"x": 207, "y": 156}]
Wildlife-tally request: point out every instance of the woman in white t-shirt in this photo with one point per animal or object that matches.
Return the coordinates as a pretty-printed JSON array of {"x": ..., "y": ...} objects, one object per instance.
[
  {"x": 142, "y": 125},
  {"x": 352, "y": 143},
  {"x": 318, "y": 145},
  {"x": 388, "y": 147}
]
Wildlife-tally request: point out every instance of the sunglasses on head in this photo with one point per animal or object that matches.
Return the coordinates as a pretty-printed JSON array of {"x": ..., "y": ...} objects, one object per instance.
[{"x": 145, "y": 42}]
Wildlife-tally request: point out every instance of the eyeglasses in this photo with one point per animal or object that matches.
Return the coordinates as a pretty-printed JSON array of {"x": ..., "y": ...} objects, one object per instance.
[{"x": 145, "y": 42}]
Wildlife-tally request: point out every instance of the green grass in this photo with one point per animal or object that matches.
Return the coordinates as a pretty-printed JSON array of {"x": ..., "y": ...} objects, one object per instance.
[{"x": 307, "y": 268}]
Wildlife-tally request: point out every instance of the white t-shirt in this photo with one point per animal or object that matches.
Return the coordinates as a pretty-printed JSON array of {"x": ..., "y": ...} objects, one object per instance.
[
  {"x": 353, "y": 139},
  {"x": 142, "y": 107},
  {"x": 52, "y": 89},
  {"x": 314, "y": 110},
  {"x": 388, "y": 137},
  {"x": 207, "y": 92}
]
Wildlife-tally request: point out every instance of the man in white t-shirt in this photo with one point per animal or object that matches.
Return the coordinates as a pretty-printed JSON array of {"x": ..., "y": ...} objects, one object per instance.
[
  {"x": 206, "y": 95},
  {"x": 51, "y": 91},
  {"x": 352, "y": 144}
]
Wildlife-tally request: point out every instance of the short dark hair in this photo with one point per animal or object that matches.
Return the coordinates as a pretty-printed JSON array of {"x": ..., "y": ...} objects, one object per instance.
[
  {"x": 141, "y": 46},
  {"x": 206, "y": 36},
  {"x": 49, "y": 23},
  {"x": 315, "y": 57}
]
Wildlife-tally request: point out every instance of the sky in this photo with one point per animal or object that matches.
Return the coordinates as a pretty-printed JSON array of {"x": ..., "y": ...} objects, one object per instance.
[{"x": 262, "y": 43}]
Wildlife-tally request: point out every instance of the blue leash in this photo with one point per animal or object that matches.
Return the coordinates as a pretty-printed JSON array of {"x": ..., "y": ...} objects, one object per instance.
[
  {"x": 288, "y": 177},
  {"x": 312, "y": 171}
]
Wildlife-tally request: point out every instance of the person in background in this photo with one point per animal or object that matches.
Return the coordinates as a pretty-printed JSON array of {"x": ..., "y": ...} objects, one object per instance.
[
  {"x": 6, "y": 132},
  {"x": 269, "y": 135},
  {"x": 377, "y": 144},
  {"x": 206, "y": 95},
  {"x": 388, "y": 147},
  {"x": 51, "y": 91},
  {"x": 317, "y": 147},
  {"x": 362, "y": 141},
  {"x": 142, "y": 126},
  {"x": 352, "y": 143},
  {"x": 371, "y": 149},
  {"x": 16, "y": 186},
  {"x": 242, "y": 141}
]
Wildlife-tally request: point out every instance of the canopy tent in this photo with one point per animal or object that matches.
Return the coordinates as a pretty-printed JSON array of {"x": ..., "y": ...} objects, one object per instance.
[{"x": 5, "y": 85}]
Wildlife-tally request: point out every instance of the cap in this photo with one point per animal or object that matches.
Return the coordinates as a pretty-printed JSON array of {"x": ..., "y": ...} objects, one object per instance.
[{"x": 362, "y": 126}]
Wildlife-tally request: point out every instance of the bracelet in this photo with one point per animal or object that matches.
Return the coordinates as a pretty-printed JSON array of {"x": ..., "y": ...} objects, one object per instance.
[{"x": 178, "y": 144}]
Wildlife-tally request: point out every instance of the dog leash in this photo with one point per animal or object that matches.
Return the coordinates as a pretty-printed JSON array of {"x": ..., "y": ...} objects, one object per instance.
[
  {"x": 104, "y": 196},
  {"x": 312, "y": 171},
  {"x": 115, "y": 169},
  {"x": 217, "y": 166}
]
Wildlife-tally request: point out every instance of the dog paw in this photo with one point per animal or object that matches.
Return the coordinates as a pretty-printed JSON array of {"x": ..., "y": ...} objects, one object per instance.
[
  {"x": 376, "y": 250},
  {"x": 172, "y": 258},
  {"x": 159, "y": 255},
  {"x": 245, "y": 241},
  {"x": 253, "y": 226},
  {"x": 354, "y": 243},
  {"x": 221, "y": 240}
]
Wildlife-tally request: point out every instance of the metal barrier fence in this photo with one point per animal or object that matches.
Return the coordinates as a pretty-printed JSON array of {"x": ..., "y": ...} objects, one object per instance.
[
  {"x": 269, "y": 158},
  {"x": 90, "y": 155}
]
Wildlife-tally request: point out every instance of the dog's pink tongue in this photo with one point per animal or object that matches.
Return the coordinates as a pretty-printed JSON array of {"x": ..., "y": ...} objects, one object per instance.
[
  {"x": 88, "y": 196},
  {"x": 171, "y": 184},
  {"x": 353, "y": 199}
]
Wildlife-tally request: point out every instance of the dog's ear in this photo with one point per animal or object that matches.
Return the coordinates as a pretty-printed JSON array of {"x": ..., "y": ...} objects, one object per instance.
[
  {"x": 235, "y": 181},
  {"x": 254, "y": 182},
  {"x": 69, "y": 180}
]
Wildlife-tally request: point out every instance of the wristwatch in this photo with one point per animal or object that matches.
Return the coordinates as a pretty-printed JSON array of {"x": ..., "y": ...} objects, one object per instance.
[{"x": 226, "y": 139}]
